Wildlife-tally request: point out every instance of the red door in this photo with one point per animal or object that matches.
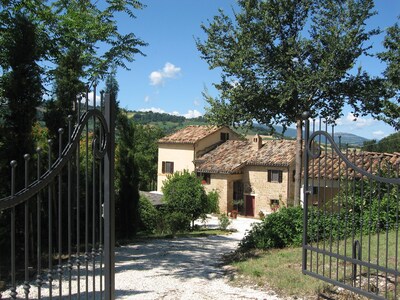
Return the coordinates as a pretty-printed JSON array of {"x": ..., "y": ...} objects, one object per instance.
[{"x": 250, "y": 205}]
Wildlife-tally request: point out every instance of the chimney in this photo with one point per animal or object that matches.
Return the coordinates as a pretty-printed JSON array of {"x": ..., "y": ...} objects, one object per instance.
[{"x": 257, "y": 142}]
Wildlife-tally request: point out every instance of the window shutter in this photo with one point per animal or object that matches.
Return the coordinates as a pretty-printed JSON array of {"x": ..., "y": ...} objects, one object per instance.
[
  {"x": 269, "y": 175},
  {"x": 280, "y": 176},
  {"x": 172, "y": 167},
  {"x": 163, "y": 167}
]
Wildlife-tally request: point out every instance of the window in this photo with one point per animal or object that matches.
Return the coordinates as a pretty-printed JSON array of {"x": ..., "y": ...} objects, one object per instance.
[
  {"x": 224, "y": 136},
  {"x": 205, "y": 177},
  {"x": 274, "y": 176},
  {"x": 274, "y": 202},
  {"x": 167, "y": 167}
]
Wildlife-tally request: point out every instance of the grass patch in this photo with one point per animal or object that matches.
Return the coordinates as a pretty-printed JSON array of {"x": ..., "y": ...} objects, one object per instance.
[{"x": 278, "y": 269}]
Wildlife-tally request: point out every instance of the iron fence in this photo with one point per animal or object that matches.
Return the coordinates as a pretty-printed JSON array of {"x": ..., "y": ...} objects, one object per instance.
[
  {"x": 351, "y": 215},
  {"x": 57, "y": 232}
]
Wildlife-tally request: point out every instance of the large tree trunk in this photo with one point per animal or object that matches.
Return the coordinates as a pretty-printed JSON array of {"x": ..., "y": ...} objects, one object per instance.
[{"x": 297, "y": 177}]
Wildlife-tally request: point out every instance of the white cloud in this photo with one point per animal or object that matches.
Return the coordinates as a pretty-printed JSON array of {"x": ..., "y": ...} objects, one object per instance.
[
  {"x": 147, "y": 99},
  {"x": 196, "y": 102},
  {"x": 175, "y": 113},
  {"x": 156, "y": 78},
  {"x": 153, "y": 109},
  {"x": 171, "y": 71},
  {"x": 192, "y": 114},
  {"x": 378, "y": 134},
  {"x": 168, "y": 71},
  {"x": 359, "y": 122}
]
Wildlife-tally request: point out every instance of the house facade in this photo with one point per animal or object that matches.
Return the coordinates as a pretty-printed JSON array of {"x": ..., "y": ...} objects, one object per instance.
[
  {"x": 249, "y": 175},
  {"x": 178, "y": 151}
]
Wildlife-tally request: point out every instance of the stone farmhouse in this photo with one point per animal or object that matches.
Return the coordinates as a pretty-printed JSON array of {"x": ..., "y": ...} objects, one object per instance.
[{"x": 251, "y": 176}]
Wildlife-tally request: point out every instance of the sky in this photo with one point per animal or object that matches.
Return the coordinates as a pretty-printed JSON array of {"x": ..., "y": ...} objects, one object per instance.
[{"x": 172, "y": 76}]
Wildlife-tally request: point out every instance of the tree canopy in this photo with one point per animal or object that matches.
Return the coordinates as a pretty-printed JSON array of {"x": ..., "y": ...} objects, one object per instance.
[
  {"x": 280, "y": 58},
  {"x": 184, "y": 194}
]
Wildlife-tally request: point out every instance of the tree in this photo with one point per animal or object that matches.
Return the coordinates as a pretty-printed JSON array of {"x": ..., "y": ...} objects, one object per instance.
[
  {"x": 67, "y": 86},
  {"x": 127, "y": 182},
  {"x": 391, "y": 57},
  {"x": 79, "y": 28},
  {"x": 184, "y": 194},
  {"x": 21, "y": 86},
  {"x": 85, "y": 25},
  {"x": 146, "y": 154},
  {"x": 388, "y": 144},
  {"x": 281, "y": 58}
]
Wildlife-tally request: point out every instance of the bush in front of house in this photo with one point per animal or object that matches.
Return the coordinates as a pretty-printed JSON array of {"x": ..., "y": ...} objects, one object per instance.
[
  {"x": 356, "y": 215},
  {"x": 177, "y": 222},
  {"x": 186, "y": 200},
  {"x": 149, "y": 216},
  {"x": 280, "y": 229},
  {"x": 223, "y": 221}
]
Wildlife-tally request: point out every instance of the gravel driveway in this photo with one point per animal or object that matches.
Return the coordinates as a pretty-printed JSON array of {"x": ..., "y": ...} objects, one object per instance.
[{"x": 181, "y": 268}]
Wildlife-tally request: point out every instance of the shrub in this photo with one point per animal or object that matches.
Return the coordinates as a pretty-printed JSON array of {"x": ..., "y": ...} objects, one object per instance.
[
  {"x": 184, "y": 194},
  {"x": 285, "y": 227},
  {"x": 213, "y": 202},
  {"x": 148, "y": 215},
  {"x": 280, "y": 229},
  {"x": 178, "y": 222},
  {"x": 223, "y": 221}
]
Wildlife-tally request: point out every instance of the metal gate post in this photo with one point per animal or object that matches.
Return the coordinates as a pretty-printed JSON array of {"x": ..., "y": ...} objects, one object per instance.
[
  {"x": 305, "y": 117},
  {"x": 109, "y": 205}
]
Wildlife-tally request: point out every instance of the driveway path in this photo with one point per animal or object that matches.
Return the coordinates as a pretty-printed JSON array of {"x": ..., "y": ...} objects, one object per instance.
[{"x": 181, "y": 268}]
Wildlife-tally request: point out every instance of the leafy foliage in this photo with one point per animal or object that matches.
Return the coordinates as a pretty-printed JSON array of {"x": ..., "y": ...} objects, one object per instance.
[
  {"x": 273, "y": 69},
  {"x": 146, "y": 155},
  {"x": 148, "y": 215},
  {"x": 370, "y": 208},
  {"x": 223, "y": 221},
  {"x": 21, "y": 87},
  {"x": 278, "y": 230},
  {"x": 127, "y": 185},
  {"x": 148, "y": 117},
  {"x": 391, "y": 57},
  {"x": 184, "y": 195},
  {"x": 388, "y": 144}
]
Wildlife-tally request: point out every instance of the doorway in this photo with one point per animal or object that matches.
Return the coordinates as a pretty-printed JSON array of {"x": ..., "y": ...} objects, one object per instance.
[{"x": 250, "y": 201}]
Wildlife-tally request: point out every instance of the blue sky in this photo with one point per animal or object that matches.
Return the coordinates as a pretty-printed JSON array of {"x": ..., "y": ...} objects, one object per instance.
[{"x": 172, "y": 76}]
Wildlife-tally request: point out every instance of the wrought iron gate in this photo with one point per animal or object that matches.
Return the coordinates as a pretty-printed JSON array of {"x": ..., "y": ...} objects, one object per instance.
[
  {"x": 61, "y": 223},
  {"x": 351, "y": 215}
]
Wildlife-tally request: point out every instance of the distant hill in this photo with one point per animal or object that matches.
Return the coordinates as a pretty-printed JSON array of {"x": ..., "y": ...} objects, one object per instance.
[
  {"x": 350, "y": 139},
  {"x": 345, "y": 138},
  {"x": 170, "y": 123}
]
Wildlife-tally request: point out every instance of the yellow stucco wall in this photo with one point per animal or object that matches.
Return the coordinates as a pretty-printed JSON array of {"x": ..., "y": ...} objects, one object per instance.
[
  {"x": 181, "y": 155},
  {"x": 223, "y": 184},
  {"x": 215, "y": 138}
]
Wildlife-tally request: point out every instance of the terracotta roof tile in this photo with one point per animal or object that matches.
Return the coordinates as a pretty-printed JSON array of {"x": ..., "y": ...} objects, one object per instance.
[
  {"x": 232, "y": 155},
  {"x": 189, "y": 135},
  {"x": 330, "y": 166}
]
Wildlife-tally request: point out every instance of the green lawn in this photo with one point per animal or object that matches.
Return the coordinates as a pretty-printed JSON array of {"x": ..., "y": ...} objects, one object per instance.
[{"x": 280, "y": 269}]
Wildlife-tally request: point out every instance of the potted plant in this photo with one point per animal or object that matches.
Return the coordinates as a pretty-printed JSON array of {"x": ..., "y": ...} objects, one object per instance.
[{"x": 238, "y": 205}]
